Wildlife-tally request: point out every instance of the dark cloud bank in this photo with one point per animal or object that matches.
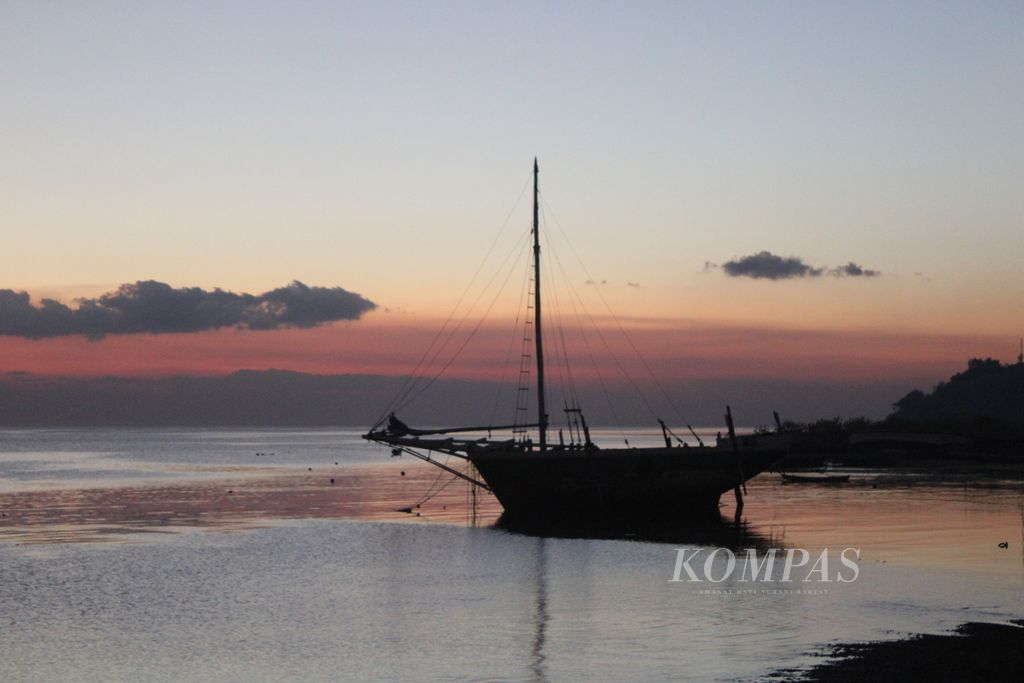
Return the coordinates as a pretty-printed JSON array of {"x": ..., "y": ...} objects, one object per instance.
[
  {"x": 768, "y": 266},
  {"x": 157, "y": 308}
]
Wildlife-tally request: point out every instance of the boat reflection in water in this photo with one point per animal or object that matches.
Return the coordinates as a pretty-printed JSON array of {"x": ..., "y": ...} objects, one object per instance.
[{"x": 712, "y": 530}]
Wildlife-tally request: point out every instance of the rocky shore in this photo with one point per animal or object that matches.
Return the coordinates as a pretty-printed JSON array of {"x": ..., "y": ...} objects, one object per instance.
[{"x": 975, "y": 652}]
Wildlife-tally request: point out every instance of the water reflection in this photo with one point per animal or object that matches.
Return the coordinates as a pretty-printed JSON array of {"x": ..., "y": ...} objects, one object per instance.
[
  {"x": 896, "y": 517},
  {"x": 430, "y": 598},
  {"x": 541, "y": 616},
  {"x": 251, "y": 498},
  {"x": 713, "y": 531}
]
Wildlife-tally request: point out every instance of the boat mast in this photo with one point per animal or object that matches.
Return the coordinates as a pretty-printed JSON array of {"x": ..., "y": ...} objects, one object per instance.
[{"x": 542, "y": 416}]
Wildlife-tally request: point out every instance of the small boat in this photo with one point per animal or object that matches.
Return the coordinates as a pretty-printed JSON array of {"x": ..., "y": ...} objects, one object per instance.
[{"x": 815, "y": 478}]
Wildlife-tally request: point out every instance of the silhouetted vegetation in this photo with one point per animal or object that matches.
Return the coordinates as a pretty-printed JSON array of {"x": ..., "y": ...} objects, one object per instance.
[
  {"x": 986, "y": 400},
  {"x": 977, "y": 414}
]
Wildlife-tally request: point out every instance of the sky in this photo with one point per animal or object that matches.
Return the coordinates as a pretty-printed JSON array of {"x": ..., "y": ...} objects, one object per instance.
[{"x": 384, "y": 148}]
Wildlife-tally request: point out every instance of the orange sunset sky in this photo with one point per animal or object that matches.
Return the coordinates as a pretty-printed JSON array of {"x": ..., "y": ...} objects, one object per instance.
[{"x": 386, "y": 149}]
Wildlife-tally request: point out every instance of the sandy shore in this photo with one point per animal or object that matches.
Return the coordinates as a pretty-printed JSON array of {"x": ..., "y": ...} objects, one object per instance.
[{"x": 976, "y": 652}]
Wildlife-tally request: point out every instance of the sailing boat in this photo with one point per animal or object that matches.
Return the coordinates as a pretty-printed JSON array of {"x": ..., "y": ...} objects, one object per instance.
[{"x": 581, "y": 481}]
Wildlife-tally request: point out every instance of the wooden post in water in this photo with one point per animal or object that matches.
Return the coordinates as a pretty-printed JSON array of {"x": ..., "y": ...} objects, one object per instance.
[
  {"x": 739, "y": 464},
  {"x": 664, "y": 433}
]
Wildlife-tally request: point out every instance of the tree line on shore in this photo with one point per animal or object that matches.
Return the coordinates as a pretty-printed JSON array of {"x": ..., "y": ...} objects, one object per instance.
[{"x": 977, "y": 411}]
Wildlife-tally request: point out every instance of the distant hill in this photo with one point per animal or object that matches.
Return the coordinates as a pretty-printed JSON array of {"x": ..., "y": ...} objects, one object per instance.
[
  {"x": 987, "y": 396},
  {"x": 245, "y": 398}
]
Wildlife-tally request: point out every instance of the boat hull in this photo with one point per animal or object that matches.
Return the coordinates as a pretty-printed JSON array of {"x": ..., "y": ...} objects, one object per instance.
[{"x": 617, "y": 483}]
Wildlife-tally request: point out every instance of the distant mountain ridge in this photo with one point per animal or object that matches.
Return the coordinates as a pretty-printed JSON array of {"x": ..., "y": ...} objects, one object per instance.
[
  {"x": 284, "y": 398},
  {"x": 279, "y": 398}
]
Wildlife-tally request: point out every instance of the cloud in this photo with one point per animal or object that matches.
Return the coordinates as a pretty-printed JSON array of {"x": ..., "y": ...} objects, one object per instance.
[
  {"x": 157, "y": 308},
  {"x": 765, "y": 264},
  {"x": 851, "y": 269},
  {"x": 768, "y": 266}
]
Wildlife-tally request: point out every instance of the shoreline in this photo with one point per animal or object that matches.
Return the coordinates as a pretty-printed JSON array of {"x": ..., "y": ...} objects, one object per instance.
[{"x": 974, "y": 651}]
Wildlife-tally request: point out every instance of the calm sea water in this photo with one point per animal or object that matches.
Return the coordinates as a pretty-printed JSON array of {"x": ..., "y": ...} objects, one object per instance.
[{"x": 289, "y": 577}]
